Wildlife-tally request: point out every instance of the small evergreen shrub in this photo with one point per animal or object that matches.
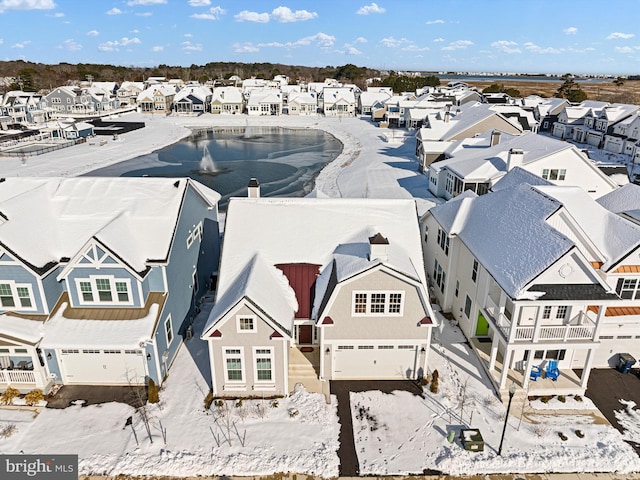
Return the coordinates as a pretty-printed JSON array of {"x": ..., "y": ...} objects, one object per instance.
[
  {"x": 239, "y": 403},
  {"x": 219, "y": 403},
  {"x": 562, "y": 436},
  {"x": 577, "y": 398},
  {"x": 274, "y": 403},
  {"x": 152, "y": 392},
  {"x": 562, "y": 398}
]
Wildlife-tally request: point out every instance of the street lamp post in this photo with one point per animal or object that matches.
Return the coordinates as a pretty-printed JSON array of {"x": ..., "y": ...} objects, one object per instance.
[{"x": 512, "y": 391}]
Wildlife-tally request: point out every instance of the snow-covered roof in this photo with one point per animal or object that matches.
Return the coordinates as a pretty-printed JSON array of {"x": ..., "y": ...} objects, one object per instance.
[
  {"x": 62, "y": 332},
  {"x": 46, "y": 219},
  {"x": 227, "y": 95},
  {"x": 612, "y": 235},
  {"x": 313, "y": 231},
  {"x": 199, "y": 91},
  {"x": 625, "y": 199},
  {"x": 507, "y": 232},
  {"x": 19, "y": 327},
  {"x": 517, "y": 176}
]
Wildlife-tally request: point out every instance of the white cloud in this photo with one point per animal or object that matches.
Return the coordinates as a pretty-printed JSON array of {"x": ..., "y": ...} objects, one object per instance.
[
  {"x": 131, "y": 3},
  {"x": 353, "y": 51},
  {"x": 191, "y": 47},
  {"x": 627, "y": 49},
  {"x": 614, "y": 35},
  {"x": 56, "y": 15},
  {"x": 26, "y": 5},
  {"x": 157, "y": 48},
  {"x": 438, "y": 40},
  {"x": 93, "y": 33},
  {"x": 70, "y": 45},
  {"x": 360, "y": 40},
  {"x": 247, "y": 16},
  {"x": 214, "y": 13},
  {"x": 286, "y": 15},
  {"x": 319, "y": 39},
  {"x": 506, "y": 46},
  {"x": 369, "y": 9},
  {"x": 280, "y": 14},
  {"x": 199, "y": 3},
  {"x": 144, "y": 14},
  {"x": 21, "y": 44},
  {"x": 458, "y": 45},
  {"x": 114, "y": 11},
  {"x": 434, "y": 22},
  {"x": 392, "y": 42},
  {"x": 245, "y": 48},
  {"x": 532, "y": 47},
  {"x": 188, "y": 35},
  {"x": 1, "y": 41},
  {"x": 570, "y": 31},
  {"x": 114, "y": 45},
  {"x": 135, "y": 30}
]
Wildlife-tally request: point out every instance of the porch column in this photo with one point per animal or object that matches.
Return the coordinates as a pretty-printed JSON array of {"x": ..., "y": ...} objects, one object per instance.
[
  {"x": 536, "y": 325},
  {"x": 506, "y": 361},
  {"x": 602, "y": 309},
  {"x": 586, "y": 371},
  {"x": 527, "y": 369},
  {"x": 285, "y": 366},
  {"x": 494, "y": 352},
  {"x": 427, "y": 349}
]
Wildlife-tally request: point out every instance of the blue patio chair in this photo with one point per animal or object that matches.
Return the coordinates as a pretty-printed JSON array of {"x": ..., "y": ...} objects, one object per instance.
[
  {"x": 551, "y": 370},
  {"x": 535, "y": 373}
]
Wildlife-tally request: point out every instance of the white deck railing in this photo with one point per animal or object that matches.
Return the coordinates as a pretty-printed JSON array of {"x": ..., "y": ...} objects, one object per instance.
[{"x": 17, "y": 376}]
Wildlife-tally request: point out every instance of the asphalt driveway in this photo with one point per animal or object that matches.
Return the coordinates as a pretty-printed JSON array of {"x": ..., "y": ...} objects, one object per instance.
[
  {"x": 92, "y": 395},
  {"x": 341, "y": 388},
  {"x": 607, "y": 387}
]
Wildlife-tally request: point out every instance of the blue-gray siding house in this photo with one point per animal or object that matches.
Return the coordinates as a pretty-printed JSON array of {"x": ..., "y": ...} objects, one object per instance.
[{"x": 100, "y": 278}]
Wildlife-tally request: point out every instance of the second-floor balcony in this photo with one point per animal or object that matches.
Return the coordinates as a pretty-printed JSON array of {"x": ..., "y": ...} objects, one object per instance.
[{"x": 578, "y": 328}]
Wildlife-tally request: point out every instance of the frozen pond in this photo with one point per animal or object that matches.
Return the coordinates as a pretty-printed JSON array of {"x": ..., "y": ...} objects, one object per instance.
[{"x": 285, "y": 161}]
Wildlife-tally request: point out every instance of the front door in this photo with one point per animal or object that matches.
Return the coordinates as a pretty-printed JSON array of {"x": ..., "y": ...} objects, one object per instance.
[
  {"x": 305, "y": 334},
  {"x": 482, "y": 327}
]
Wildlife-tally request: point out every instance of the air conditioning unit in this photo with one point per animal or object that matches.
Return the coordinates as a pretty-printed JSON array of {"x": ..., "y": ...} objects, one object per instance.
[{"x": 188, "y": 334}]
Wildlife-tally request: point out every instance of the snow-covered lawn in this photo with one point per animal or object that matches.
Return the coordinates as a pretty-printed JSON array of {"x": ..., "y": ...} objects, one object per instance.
[
  {"x": 295, "y": 434},
  {"x": 399, "y": 433}
]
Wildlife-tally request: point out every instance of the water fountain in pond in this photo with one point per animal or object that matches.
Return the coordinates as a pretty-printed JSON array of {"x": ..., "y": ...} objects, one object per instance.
[{"x": 206, "y": 164}]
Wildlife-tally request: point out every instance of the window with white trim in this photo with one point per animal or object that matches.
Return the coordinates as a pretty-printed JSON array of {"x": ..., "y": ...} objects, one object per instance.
[
  {"x": 16, "y": 296},
  {"x": 474, "y": 270},
  {"x": 443, "y": 241},
  {"x": 233, "y": 365},
  {"x": 104, "y": 289},
  {"x": 439, "y": 275},
  {"x": 627, "y": 288},
  {"x": 168, "y": 330},
  {"x": 196, "y": 234},
  {"x": 263, "y": 362},
  {"x": 378, "y": 303},
  {"x": 246, "y": 323},
  {"x": 562, "y": 311},
  {"x": 554, "y": 173}
]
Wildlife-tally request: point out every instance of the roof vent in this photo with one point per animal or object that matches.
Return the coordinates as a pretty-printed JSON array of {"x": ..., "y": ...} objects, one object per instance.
[{"x": 378, "y": 248}]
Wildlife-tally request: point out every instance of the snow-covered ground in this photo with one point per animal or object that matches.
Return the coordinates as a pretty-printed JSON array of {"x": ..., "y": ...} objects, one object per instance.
[
  {"x": 401, "y": 434},
  {"x": 295, "y": 434}
]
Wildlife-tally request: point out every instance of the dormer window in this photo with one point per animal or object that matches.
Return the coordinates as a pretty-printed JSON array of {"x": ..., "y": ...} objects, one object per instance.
[{"x": 104, "y": 290}]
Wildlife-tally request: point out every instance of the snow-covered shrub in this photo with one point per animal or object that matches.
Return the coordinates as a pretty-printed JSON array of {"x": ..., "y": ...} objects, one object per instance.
[
  {"x": 274, "y": 403},
  {"x": 562, "y": 436},
  {"x": 239, "y": 403},
  {"x": 579, "y": 433},
  {"x": 293, "y": 412},
  {"x": 540, "y": 430}
]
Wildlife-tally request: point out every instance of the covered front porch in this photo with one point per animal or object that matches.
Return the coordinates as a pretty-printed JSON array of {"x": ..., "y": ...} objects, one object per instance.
[{"x": 567, "y": 383}]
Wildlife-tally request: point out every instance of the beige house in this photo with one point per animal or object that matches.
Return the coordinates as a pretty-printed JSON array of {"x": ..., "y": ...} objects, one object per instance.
[{"x": 312, "y": 290}]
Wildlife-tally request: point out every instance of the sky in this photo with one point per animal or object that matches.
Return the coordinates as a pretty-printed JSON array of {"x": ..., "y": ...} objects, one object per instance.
[{"x": 540, "y": 36}]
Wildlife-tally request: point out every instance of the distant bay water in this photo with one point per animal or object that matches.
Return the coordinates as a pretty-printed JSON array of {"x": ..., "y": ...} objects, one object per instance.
[
  {"x": 445, "y": 78},
  {"x": 285, "y": 161}
]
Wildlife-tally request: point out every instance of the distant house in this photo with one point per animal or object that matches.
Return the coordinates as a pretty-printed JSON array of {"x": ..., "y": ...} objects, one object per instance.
[
  {"x": 192, "y": 100},
  {"x": 227, "y": 100},
  {"x": 265, "y": 102},
  {"x": 302, "y": 103},
  {"x": 128, "y": 92},
  {"x": 338, "y": 101},
  {"x": 372, "y": 100},
  {"x": 344, "y": 297},
  {"x": 70, "y": 101},
  {"x": 23, "y": 107},
  {"x": 156, "y": 99},
  {"x": 100, "y": 277},
  {"x": 478, "y": 164}
]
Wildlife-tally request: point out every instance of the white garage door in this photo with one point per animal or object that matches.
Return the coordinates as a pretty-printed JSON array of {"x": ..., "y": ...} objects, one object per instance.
[
  {"x": 103, "y": 367},
  {"x": 389, "y": 361}
]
